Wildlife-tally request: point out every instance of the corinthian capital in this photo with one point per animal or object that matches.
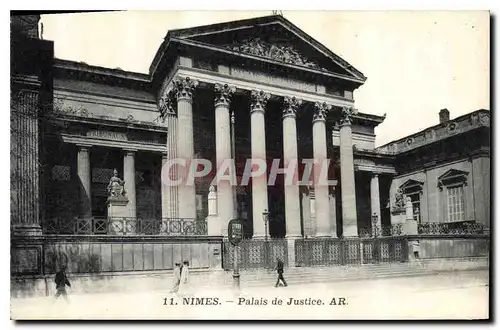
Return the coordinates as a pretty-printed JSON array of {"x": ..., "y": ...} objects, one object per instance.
[
  {"x": 290, "y": 106},
  {"x": 259, "y": 100},
  {"x": 184, "y": 87},
  {"x": 320, "y": 111},
  {"x": 223, "y": 94},
  {"x": 346, "y": 115},
  {"x": 166, "y": 105}
]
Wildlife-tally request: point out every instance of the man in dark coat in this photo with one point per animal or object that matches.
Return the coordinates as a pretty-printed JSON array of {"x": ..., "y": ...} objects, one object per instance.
[
  {"x": 279, "y": 268},
  {"x": 61, "y": 282}
]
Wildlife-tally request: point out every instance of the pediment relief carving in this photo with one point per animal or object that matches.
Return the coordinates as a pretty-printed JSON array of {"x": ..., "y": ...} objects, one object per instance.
[{"x": 275, "y": 51}]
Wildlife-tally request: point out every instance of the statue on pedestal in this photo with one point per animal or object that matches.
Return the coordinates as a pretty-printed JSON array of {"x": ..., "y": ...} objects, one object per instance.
[
  {"x": 400, "y": 202},
  {"x": 116, "y": 186}
]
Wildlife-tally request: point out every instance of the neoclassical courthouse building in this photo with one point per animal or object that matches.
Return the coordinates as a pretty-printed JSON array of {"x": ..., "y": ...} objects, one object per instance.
[{"x": 89, "y": 145}]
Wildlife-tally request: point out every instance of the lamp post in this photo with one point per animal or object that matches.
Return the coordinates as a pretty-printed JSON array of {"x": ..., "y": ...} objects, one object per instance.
[{"x": 265, "y": 217}]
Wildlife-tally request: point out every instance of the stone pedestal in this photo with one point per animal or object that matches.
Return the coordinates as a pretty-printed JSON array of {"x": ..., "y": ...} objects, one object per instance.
[
  {"x": 398, "y": 217},
  {"x": 214, "y": 225},
  {"x": 117, "y": 210},
  {"x": 410, "y": 227}
]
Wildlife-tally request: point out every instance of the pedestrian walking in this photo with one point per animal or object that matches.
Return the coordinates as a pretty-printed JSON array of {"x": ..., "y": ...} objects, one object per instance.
[
  {"x": 61, "y": 281},
  {"x": 279, "y": 268},
  {"x": 177, "y": 277}
]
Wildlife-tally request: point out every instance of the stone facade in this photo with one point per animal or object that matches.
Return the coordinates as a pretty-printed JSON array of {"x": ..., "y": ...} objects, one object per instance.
[{"x": 203, "y": 99}]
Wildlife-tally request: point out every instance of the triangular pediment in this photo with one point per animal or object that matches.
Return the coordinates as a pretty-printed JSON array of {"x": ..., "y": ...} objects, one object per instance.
[
  {"x": 453, "y": 175},
  {"x": 271, "y": 38},
  {"x": 411, "y": 185}
]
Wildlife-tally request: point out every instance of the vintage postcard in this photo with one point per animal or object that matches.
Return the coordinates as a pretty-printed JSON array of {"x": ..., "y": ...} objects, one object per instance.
[{"x": 326, "y": 165}]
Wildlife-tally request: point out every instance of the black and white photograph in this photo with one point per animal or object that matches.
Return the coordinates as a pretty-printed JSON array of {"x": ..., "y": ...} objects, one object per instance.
[{"x": 250, "y": 165}]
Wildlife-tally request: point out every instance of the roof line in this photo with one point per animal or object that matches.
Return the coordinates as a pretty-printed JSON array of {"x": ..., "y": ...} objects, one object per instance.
[
  {"x": 431, "y": 127},
  {"x": 84, "y": 67}
]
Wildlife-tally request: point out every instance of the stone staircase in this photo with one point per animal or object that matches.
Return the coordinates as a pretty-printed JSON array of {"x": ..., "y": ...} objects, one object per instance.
[
  {"x": 301, "y": 275},
  {"x": 162, "y": 281}
]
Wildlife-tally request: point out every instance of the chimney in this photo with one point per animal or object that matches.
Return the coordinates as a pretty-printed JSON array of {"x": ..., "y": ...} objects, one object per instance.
[{"x": 444, "y": 116}]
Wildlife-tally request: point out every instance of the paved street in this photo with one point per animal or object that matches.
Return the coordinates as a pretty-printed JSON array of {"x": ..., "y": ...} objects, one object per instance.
[{"x": 461, "y": 295}]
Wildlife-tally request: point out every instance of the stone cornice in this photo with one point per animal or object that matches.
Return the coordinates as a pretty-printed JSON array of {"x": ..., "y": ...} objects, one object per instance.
[
  {"x": 115, "y": 122},
  {"x": 101, "y": 71},
  {"x": 245, "y": 85},
  {"x": 103, "y": 142},
  {"x": 459, "y": 125}
]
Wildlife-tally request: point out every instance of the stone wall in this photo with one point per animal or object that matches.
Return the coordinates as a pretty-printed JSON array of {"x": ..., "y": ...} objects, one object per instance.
[
  {"x": 453, "y": 247},
  {"x": 432, "y": 199},
  {"x": 101, "y": 100}
]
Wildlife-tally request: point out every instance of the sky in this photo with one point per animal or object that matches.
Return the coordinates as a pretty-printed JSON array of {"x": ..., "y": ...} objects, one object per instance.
[{"x": 416, "y": 62}]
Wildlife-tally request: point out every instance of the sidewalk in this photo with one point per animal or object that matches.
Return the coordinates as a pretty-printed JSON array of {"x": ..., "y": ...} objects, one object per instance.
[
  {"x": 465, "y": 294},
  {"x": 249, "y": 278}
]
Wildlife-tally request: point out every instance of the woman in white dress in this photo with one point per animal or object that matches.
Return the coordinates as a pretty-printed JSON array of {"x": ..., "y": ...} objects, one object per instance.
[{"x": 184, "y": 285}]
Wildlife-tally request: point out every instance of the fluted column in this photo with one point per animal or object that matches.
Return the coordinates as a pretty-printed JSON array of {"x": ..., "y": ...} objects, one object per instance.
[
  {"x": 375, "y": 200},
  {"x": 320, "y": 183},
  {"x": 184, "y": 88},
  {"x": 129, "y": 178},
  {"x": 225, "y": 198},
  {"x": 348, "y": 188},
  {"x": 84, "y": 176},
  {"x": 290, "y": 156},
  {"x": 258, "y": 137},
  {"x": 169, "y": 192},
  {"x": 25, "y": 156}
]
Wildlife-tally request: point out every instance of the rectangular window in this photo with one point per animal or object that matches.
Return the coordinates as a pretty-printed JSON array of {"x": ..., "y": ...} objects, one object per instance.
[
  {"x": 456, "y": 204},
  {"x": 415, "y": 201}
]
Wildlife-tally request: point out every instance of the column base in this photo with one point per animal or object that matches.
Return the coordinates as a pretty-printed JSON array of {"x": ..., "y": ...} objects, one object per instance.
[
  {"x": 260, "y": 236},
  {"x": 323, "y": 235},
  {"x": 350, "y": 231},
  {"x": 27, "y": 230},
  {"x": 291, "y": 250}
]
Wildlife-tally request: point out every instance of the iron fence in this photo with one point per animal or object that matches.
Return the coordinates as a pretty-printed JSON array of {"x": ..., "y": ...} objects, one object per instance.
[
  {"x": 384, "y": 231},
  {"x": 255, "y": 253},
  {"x": 332, "y": 251},
  {"x": 392, "y": 230},
  {"x": 451, "y": 228},
  {"x": 125, "y": 226}
]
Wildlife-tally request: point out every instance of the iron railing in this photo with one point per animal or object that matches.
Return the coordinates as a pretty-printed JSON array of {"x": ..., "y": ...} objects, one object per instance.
[
  {"x": 451, "y": 228},
  {"x": 354, "y": 251},
  {"x": 125, "y": 226},
  {"x": 386, "y": 231},
  {"x": 256, "y": 253}
]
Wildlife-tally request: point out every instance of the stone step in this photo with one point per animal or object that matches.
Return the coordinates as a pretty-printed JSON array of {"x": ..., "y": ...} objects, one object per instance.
[{"x": 163, "y": 281}]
